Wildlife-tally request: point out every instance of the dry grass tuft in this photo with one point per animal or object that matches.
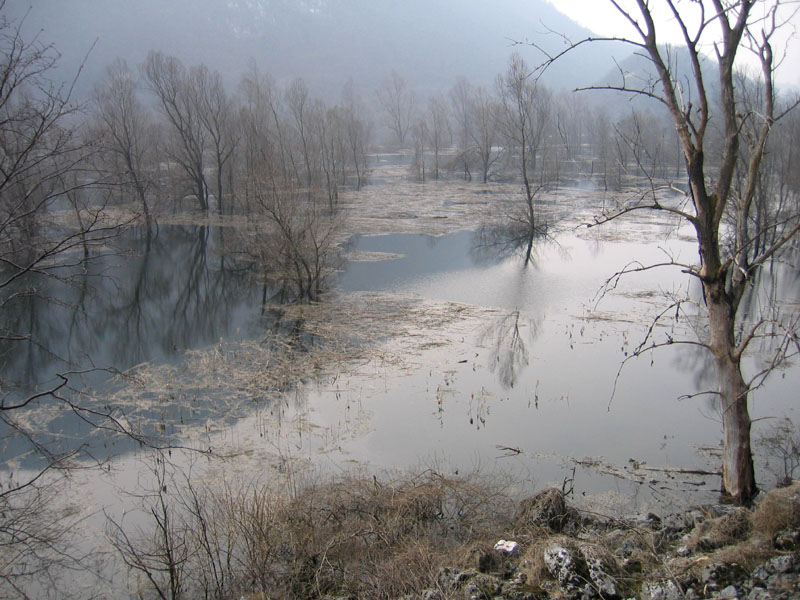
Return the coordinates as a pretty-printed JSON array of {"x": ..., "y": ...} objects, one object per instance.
[
  {"x": 373, "y": 539},
  {"x": 746, "y": 538},
  {"x": 748, "y": 554},
  {"x": 779, "y": 509},
  {"x": 728, "y": 529},
  {"x": 547, "y": 508}
]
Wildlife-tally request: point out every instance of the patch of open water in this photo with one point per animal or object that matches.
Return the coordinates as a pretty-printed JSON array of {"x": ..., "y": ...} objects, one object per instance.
[{"x": 536, "y": 388}]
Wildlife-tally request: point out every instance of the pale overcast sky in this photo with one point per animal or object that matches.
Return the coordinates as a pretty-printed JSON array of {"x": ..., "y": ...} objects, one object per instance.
[{"x": 602, "y": 18}]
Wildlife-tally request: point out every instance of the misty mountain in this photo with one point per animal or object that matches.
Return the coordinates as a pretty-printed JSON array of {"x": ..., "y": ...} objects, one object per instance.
[{"x": 324, "y": 41}]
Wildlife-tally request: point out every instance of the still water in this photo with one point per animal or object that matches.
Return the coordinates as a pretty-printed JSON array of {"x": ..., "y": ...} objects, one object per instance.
[
  {"x": 146, "y": 298},
  {"x": 530, "y": 388},
  {"x": 536, "y": 388}
]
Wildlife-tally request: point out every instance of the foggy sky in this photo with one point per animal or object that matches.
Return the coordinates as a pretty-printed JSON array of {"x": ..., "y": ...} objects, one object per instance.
[{"x": 324, "y": 41}]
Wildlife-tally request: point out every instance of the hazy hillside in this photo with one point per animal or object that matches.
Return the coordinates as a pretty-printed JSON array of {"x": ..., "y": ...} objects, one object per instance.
[{"x": 324, "y": 41}]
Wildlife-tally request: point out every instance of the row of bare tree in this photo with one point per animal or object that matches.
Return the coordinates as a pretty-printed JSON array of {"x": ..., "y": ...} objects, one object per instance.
[
  {"x": 276, "y": 155},
  {"x": 520, "y": 128},
  {"x": 203, "y": 143}
]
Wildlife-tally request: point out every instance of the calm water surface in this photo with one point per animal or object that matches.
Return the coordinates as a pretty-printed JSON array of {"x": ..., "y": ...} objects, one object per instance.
[
  {"x": 530, "y": 391},
  {"x": 541, "y": 378}
]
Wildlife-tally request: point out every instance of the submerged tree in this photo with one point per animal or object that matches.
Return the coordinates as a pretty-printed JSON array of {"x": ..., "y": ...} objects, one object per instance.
[
  {"x": 294, "y": 239},
  {"x": 293, "y": 227},
  {"x": 524, "y": 110},
  {"x": 733, "y": 241}
]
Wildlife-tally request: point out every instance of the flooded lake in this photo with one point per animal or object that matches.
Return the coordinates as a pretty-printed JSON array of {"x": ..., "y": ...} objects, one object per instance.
[
  {"x": 446, "y": 352},
  {"x": 540, "y": 376}
]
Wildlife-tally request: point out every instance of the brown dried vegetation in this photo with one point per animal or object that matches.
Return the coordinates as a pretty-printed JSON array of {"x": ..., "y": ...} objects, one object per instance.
[
  {"x": 744, "y": 537},
  {"x": 350, "y": 537}
]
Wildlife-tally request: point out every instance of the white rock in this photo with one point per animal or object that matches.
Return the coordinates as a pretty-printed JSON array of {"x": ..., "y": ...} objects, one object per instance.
[{"x": 506, "y": 546}]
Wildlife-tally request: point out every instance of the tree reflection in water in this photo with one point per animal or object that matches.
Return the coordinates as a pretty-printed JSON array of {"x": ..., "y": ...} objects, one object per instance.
[
  {"x": 511, "y": 237},
  {"x": 506, "y": 339},
  {"x": 153, "y": 298},
  {"x": 149, "y": 298},
  {"x": 511, "y": 334}
]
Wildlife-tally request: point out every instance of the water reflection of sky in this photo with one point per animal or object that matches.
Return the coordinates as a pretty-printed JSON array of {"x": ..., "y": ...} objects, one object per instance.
[
  {"x": 456, "y": 268},
  {"x": 536, "y": 375},
  {"x": 553, "y": 395},
  {"x": 421, "y": 256}
]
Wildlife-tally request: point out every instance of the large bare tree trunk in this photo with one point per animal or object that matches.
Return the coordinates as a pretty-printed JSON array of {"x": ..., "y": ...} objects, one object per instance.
[
  {"x": 738, "y": 476},
  {"x": 724, "y": 176}
]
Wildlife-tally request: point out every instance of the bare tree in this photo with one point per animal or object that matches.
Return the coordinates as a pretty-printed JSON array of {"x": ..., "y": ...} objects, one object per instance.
[
  {"x": 525, "y": 112},
  {"x": 438, "y": 130},
  {"x": 293, "y": 231},
  {"x": 419, "y": 139},
  {"x": 461, "y": 99},
  {"x": 126, "y": 133},
  {"x": 600, "y": 132},
  {"x": 160, "y": 555},
  {"x": 216, "y": 115},
  {"x": 262, "y": 148},
  {"x": 571, "y": 116},
  {"x": 178, "y": 98},
  {"x": 293, "y": 238},
  {"x": 722, "y": 188},
  {"x": 51, "y": 227},
  {"x": 357, "y": 132},
  {"x": 398, "y": 102},
  {"x": 484, "y": 132},
  {"x": 644, "y": 145},
  {"x": 476, "y": 127},
  {"x": 334, "y": 152},
  {"x": 302, "y": 113}
]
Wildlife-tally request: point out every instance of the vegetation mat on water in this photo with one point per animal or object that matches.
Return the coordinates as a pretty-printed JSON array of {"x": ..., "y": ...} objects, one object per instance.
[{"x": 303, "y": 346}]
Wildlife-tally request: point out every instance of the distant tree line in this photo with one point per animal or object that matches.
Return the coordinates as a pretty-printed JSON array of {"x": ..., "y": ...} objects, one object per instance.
[
  {"x": 204, "y": 144},
  {"x": 172, "y": 135},
  {"x": 521, "y": 129}
]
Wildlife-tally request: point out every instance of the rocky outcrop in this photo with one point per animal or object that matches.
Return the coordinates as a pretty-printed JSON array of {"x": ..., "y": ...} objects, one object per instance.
[
  {"x": 713, "y": 552},
  {"x": 580, "y": 573}
]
